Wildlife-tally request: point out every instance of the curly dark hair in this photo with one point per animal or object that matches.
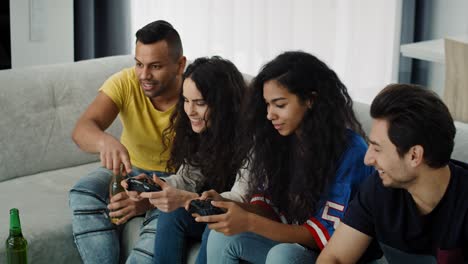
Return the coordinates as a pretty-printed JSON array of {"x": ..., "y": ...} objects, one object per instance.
[
  {"x": 222, "y": 87},
  {"x": 297, "y": 170}
]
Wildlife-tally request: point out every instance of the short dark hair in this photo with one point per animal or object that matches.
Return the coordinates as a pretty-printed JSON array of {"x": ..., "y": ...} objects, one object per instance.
[
  {"x": 416, "y": 116},
  {"x": 161, "y": 30}
]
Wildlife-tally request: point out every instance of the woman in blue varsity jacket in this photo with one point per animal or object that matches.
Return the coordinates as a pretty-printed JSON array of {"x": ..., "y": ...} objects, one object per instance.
[{"x": 306, "y": 152}]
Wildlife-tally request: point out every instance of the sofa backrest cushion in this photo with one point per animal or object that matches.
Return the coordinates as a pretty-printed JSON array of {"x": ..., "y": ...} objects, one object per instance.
[
  {"x": 460, "y": 151},
  {"x": 362, "y": 113},
  {"x": 39, "y": 107}
]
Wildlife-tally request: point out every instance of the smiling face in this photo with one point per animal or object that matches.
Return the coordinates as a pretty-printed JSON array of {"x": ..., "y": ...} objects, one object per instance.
[
  {"x": 195, "y": 106},
  {"x": 156, "y": 71},
  {"x": 394, "y": 171},
  {"x": 284, "y": 109}
]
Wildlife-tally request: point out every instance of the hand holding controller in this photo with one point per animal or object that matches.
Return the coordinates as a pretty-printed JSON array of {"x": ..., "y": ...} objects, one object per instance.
[
  {"x": 142, "y": 185},
  {"x": 204, "y": 208}
]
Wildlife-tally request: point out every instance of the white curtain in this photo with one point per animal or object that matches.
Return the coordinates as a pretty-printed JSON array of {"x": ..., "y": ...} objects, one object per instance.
[{"x": 359, "y": 39}]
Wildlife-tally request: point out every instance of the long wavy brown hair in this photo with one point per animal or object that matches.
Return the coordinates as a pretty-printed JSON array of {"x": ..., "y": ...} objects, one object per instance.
[{"x": 222, "y": 87}]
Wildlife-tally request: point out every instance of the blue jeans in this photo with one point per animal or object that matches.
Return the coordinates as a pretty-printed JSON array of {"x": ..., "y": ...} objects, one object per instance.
[
  {"x": 96, "y": 238},
  {"x": 174, "y": 229},
  {"x": 202, "y": 258},
  {"x": 255, "y": 249}
]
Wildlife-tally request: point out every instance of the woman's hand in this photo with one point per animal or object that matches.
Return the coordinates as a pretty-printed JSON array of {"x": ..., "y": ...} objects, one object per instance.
[
  {"x": 169, "y": 198},
  {"x": 134, "y": 195},
  {"x": 234, "y": 221},
  {"x": 211, "y": 194},
  {"x": 125, "y": 208}
]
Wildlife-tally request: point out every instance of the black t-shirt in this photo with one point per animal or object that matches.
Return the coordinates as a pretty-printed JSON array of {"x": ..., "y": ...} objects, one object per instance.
[{"x": 390, "y": 215}]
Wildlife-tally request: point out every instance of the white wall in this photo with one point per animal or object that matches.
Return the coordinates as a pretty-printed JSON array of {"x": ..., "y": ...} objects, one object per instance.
[
  {"x": 359, "y": 39},
  {"x": 53, "y": 29}
]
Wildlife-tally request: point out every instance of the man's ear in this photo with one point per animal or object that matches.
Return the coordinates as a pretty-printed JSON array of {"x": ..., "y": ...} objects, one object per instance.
[
  {"x": 416, "y": 155},
  {"x": 181, "y": 62}
]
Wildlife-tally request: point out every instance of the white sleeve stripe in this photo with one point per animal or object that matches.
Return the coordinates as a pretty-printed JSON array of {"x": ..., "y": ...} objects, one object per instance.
[
  {"x": 319, "y": 232},
  {"x": 257, "y": 198},
  {"x": 283, "y": 219},
  {"x": 263, "y": 199}
]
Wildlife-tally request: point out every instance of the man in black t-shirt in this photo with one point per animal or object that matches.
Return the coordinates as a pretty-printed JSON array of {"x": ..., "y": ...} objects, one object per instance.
[{"x": 416, "y": 203}]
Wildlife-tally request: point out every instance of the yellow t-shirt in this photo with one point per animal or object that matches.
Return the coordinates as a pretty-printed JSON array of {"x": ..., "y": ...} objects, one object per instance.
[{"x": 143, "y": 125}]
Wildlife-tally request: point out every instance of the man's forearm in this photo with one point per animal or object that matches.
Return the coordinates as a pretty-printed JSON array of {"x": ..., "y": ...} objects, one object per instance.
[{"x": 88, "y": 136}]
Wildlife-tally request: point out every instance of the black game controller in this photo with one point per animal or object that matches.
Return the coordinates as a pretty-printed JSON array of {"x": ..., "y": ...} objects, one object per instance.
[
  {"x": 142, "y": 185},
  {"x": 203, "y": 208}
]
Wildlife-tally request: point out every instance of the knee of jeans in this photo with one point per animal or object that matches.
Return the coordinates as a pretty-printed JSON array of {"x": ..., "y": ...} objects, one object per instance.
[
  {"x": 91, "y": 222},
  {"x": 85, "y": 200},
  {"x": 218, "y": 243},
  {"x": 95, "y": 184},
  {"x": 89, "y": 213},
  {"x": 97, "y": 178},
  {"x": 280, "y": 253},
  {"x": 290, "y": 253},
  {"x": 177, "y": 217},
  {"x": 180, "y": 214}
]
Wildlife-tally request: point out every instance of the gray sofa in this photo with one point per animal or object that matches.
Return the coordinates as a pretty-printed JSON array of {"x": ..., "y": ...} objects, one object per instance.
[{"x": 39, "y": 163}]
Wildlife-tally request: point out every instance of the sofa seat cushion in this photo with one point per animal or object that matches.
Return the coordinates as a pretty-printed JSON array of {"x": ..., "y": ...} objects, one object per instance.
[{"x": 42, "y": 200}]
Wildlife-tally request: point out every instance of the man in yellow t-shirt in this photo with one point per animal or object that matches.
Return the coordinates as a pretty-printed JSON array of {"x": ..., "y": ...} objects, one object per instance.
[{"x": 144, "y": 97}]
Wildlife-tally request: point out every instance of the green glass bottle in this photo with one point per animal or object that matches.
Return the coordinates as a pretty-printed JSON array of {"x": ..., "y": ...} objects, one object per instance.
[
  {"x": 115, "y": 188},
  {"x": 16, "y": 245}
]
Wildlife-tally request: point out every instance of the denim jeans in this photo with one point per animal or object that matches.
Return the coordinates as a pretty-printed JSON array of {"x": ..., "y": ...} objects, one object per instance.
[
  {"x": 174, "y": 230},
  {"x": 96, "y": 238},
  {"x": 201, "y": 258},
  {"x": 255, "y": 249}
]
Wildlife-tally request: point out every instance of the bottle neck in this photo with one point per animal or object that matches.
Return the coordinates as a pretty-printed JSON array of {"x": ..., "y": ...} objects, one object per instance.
[
  {"x": 15, "y": 225},
  {"x": 117, "y": 178},
  {"x": 16, "y": 232}
]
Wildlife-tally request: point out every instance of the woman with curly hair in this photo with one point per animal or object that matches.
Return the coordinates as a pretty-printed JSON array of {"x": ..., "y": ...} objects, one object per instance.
[
  {"x": 306, "y": 152},
  {"x": 204, "y": 124}
]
